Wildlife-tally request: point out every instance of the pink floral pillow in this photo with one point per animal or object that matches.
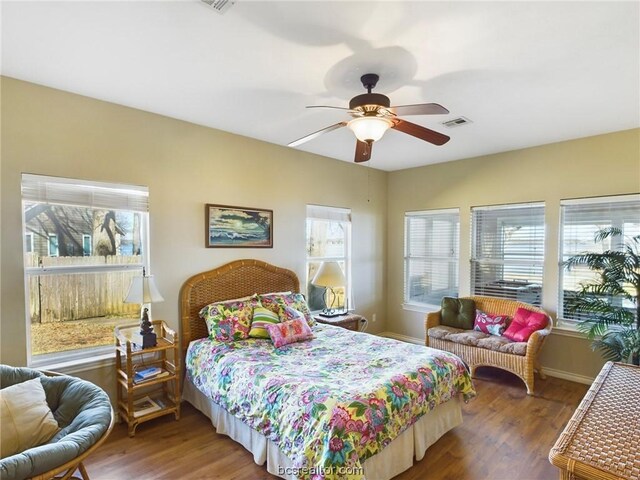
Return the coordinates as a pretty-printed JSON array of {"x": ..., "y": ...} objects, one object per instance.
[
  {"x": 292, "y": 331},
  {"x": 489, "y": 323},
  {"x": 524, "y": 323}
]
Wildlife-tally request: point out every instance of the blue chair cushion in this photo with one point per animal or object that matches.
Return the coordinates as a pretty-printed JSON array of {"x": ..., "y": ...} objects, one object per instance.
[{"x": 82, "y": 410}]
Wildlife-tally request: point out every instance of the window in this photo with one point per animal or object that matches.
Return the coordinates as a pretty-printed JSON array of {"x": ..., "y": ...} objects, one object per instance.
[
  {"x": 86, "y": 245},
  {"x": 52, "y": 245},
  {"x": 28, "y": 243},
  {"x": 328, "y": 239},
  {"x": 431, "y": 255},
  {"x": 580, "y": 220},
  {"x": 76, "y": 281},
  {"x": 507, "y": 251}
]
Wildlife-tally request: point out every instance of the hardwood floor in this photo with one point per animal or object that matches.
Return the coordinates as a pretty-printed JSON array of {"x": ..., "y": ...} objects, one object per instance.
[{"x": 505, "y": 435}]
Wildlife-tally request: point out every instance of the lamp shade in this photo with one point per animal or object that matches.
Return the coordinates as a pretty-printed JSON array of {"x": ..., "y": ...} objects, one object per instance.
[
  {"x": 329, "y": 275},
  {"x": 143, "y": 290},
  {"x": 369, "y": 128}
]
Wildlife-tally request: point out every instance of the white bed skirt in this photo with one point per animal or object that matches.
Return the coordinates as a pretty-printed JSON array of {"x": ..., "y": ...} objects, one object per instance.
[{"x": 395, "y": 458}]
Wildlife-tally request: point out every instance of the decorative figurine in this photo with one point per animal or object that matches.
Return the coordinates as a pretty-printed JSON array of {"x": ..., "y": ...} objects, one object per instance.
[{"x": 146, "y": 331}]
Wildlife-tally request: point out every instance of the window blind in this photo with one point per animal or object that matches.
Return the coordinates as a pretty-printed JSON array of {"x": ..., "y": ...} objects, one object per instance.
[
  {"x": 432, "y": 245},
  {"x": 508, "y": 251},
  {"x": 580, "y": 220},
  {"x": 334, "y": 214},
  {"x": 63, "y": 191}
]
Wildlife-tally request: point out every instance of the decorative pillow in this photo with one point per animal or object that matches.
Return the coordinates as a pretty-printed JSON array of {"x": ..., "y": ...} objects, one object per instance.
[
  {"x": 204, "y": 310},
  {"x": 261, "y": 318},
  {"x": 458, "y": 312},
  {"x": 524, "y": 323},
  {"x": 273, "y": 302},
  {"x": 289, "y": 313},
  {"x": 25, "y": 417},
  {"x": 229, "y": 321},
  {"x": 489, "y": 323},
  {"x": 284, "y": 333}
]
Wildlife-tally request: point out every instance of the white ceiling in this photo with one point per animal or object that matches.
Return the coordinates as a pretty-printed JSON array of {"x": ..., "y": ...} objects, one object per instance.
[{"x": 525, "y": 73}]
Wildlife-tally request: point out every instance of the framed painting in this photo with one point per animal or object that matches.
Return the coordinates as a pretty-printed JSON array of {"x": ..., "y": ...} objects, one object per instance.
[{"x": 235, "y": 227}]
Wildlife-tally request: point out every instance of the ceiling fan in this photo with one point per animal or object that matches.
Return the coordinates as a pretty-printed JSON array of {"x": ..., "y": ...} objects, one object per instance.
[{"x": 373, "y": 115}]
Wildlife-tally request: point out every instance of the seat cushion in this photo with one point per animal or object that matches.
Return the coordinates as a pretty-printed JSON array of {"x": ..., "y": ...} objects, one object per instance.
[
  {"x": 467, "y": 337},
  {"x": 503, "y": 344},
  {"x": 458, "y": 312},
  {"x": 25, "y": 417},
  {"x": 441, "y": 331},
  {"x": 82, "y": 410}
]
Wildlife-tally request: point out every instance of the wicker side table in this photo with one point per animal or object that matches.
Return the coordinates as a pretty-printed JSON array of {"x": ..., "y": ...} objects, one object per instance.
[{"x": 602, "y": 439}]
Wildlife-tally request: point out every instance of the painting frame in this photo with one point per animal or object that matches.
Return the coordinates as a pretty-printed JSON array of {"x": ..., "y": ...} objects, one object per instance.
[{"x": 228, "y": 226}]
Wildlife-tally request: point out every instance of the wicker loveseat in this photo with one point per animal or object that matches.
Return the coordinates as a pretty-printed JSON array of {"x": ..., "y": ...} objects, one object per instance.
[
  {"x": 83, "y": 413},
  {"x": 480, "y": 349}
]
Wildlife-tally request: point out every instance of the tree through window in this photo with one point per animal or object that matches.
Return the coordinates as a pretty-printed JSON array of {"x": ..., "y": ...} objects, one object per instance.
[{"x": 84, "y": 242}]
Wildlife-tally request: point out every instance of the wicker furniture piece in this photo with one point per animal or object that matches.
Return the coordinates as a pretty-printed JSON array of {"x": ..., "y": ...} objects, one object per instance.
[
  {"x": 602, "y": 439},
  {"x": 234, "y": 280},
  {"x": 130, "y": 357},
  {"x": 521, "y": 365}
]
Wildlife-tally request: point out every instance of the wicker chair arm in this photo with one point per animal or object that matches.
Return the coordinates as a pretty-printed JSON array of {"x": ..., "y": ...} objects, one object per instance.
[
  {"x": 432, "y": 319},
  {"x": 537, "y": 338}
]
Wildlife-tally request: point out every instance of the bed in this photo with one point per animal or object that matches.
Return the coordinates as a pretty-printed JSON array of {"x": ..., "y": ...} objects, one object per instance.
[{"x": 342, "y": 405}]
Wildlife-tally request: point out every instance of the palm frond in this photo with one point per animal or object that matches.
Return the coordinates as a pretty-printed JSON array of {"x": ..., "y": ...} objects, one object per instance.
[
  {"x": 613, "y": 329},
  {"x": 605, "y": 233}
]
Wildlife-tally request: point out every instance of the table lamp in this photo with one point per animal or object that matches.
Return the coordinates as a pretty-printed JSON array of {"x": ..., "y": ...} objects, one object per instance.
[
  {"x": 330, "y": 276},
  {"x": 143, "y": 290}
]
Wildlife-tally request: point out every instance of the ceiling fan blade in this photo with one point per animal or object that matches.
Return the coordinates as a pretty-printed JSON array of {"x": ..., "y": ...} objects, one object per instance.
[
  {"x": 419, "y": 109},
  {"x": 327, "y": 106},
  {"x": 313, "y": 135},
  {"x": 420, "y": 132},
  {"x": 363, "y": 151}
]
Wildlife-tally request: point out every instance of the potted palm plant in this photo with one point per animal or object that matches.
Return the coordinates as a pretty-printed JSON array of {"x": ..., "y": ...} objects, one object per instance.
[{"x": 608, "y": 309}]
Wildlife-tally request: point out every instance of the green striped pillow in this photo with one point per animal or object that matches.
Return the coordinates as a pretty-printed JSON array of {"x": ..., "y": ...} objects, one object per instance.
[{"x": 261, "y": 318}]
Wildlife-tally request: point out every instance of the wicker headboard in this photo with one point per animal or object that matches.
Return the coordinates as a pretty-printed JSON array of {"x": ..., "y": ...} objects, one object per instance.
[{"x": 233, "y": 280}]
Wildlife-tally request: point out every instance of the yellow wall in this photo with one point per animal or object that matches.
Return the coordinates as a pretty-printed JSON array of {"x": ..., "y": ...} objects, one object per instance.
[
  {"x": 50, "y": 132},
  {"x": 601, "y": 165}
]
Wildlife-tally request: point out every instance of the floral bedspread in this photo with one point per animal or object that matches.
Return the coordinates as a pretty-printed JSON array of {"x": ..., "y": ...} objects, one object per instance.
[{"x": 331, "y": 402}]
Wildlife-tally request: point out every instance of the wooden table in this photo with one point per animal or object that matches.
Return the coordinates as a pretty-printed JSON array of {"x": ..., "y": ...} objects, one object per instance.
[{"x": 602, "y": 439}]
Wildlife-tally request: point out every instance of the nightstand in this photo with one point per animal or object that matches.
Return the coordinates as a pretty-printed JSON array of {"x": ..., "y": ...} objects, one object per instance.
[
  {"x": 159, "y": 394},
  {"x": 350, "y": 321}
]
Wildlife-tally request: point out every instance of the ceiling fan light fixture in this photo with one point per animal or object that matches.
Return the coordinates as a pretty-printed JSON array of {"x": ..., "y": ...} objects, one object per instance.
[{"x": 369, "y": 129}]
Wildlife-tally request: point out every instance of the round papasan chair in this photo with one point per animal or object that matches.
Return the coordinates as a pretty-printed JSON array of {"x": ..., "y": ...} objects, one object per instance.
[{"x": 85, "y": 417}]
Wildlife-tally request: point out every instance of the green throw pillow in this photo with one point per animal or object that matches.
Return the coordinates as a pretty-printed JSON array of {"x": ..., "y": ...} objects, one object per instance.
[
  {"x": 261, "y": 318},
  {"x": 458, "y": 313}
]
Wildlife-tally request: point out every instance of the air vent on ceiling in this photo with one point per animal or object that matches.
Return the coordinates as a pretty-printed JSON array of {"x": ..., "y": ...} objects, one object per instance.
[
  {"x": 457, "y": 122},
  {"x": 220, "y": 6}
]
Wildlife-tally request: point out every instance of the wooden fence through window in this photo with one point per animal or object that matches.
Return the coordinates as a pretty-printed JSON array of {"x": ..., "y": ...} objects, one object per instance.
[{"x": 64, "y": 296}]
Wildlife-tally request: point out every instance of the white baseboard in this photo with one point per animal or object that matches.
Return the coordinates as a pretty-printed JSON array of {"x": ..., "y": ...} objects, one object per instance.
[
  {"x": 402, "y": 338},
  {"x": 552, "y": 372},
  {"x": 573, "y": 377}
]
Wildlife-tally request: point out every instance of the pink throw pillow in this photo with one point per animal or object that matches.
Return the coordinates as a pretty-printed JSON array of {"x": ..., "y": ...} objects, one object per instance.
[
  {"x": 524, "y": 323},
  {"x": 489, "y": 323},
  {"x": 292, "y": 331}
]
